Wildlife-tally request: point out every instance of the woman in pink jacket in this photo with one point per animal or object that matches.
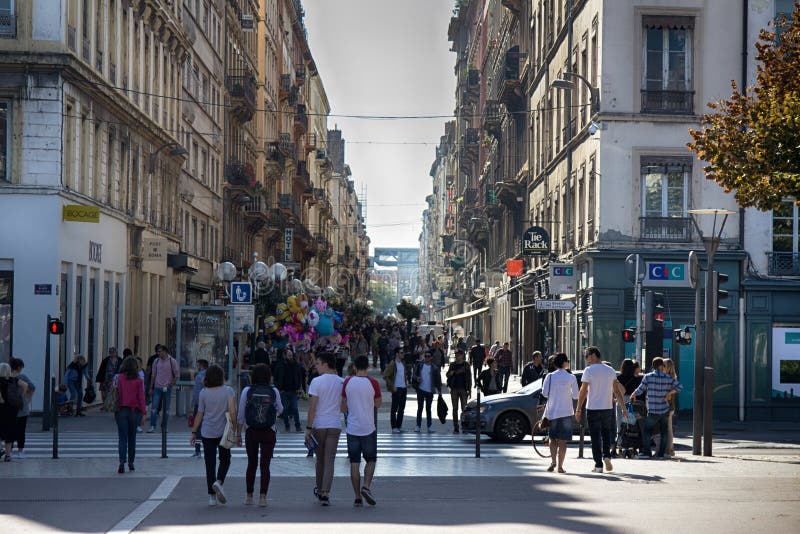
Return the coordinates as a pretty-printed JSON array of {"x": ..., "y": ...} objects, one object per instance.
[{"x": 130, "y": 410}]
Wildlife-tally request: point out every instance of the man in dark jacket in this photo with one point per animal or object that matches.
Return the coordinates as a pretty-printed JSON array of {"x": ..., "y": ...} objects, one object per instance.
[
  {"x": 427, "y": 379},
  {"x": 476, "y": 356},
  {"x": 289, "y": 381},
  {"x": 533, "y": 370}
]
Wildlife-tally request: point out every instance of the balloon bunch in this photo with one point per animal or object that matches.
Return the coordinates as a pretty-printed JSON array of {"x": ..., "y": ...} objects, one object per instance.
[{"x": 304, "y": 323}]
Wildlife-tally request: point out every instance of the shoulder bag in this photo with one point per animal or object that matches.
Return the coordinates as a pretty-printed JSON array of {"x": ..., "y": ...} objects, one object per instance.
[{"x": 231, "y": 435}]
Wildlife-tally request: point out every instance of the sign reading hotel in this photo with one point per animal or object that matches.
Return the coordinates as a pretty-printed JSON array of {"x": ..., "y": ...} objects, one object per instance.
[
  {"x": 535, "y": 242},
  {"x": 78, "y": 213},
  {"x": 287, "y": 244}
]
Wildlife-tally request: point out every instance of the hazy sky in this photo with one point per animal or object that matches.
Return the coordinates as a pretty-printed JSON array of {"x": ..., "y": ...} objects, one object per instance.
[{"x": 386, "y": 57}]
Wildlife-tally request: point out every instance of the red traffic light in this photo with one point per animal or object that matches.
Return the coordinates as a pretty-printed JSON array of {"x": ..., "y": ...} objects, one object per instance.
[
  {"x": 55, "y": 327},
  {"x": 629, "y": 335}
]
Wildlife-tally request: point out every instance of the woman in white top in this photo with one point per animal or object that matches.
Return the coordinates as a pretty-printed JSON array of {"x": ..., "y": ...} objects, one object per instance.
[
  {"x": 561, "y": 388},
  {"x": 216, "y": 399}
]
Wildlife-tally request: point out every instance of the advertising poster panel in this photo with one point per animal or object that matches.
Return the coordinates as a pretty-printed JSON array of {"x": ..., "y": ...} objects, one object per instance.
[
  {"x": 204, "y": 332},
  {"x": 786, "y": 361}
]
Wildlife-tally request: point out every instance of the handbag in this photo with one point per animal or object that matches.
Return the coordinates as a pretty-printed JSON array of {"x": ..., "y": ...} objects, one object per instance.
[
  {"x": 545, "y": 422},
  {"x": 231, "y": 435},
  {"x": 441, "y": 409},
  {"x": 111, "y": 403}
]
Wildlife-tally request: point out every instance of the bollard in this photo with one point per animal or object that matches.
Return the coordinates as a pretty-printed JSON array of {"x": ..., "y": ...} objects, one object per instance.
[
  {"x": 582, "y": 439},
  {"x": 164, "y": 423},
  {"x": 478, "y": 425},
  {"x": 54, "y": 418}
]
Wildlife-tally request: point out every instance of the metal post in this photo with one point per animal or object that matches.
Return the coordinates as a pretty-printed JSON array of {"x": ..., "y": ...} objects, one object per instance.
[
  {"x": 699, "y": 363},
  {"x": 47, "y": 375},
  {"x": 708, "y": 367},
  {"x": 637, "y": 295},
  {"x": 478, "y": 423},
  {"x": 54, "y": 411},
  {"x": 583, "y": 436},
  {"x": 164, "y": 423}
]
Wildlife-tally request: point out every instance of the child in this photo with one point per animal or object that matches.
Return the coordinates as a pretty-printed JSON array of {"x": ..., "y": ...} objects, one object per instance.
[{"x": 62, "y": 401}]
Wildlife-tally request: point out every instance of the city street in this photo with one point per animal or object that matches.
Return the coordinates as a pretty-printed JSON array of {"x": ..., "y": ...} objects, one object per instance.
[{"x": 423, "y": 482}]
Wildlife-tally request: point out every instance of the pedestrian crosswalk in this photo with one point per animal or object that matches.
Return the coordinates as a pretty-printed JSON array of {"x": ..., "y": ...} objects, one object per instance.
[{"x": 289, "y": 445}]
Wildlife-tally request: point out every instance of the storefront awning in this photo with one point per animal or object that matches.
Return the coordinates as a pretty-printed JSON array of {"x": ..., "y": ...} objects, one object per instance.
[{"x": 468, "y": 314}]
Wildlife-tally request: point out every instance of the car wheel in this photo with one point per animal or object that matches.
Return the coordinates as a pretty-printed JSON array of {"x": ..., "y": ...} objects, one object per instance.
[{"x": 511, "y": 427}]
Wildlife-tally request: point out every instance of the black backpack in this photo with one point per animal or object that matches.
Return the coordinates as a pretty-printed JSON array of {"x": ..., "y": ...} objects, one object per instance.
[
  {"x": 259, "y": 409},
  {"x": 14, "y": 394}
]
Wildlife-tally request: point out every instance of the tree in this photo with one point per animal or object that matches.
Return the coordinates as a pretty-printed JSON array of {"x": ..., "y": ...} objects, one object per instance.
[
  {"x": 752, "y": 140},
  {"x": 382, "y": 296},
  {"x": 409, "y": 312}
]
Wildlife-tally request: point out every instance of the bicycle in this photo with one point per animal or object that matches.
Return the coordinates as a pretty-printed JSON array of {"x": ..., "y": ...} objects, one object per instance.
[{"x": 540, "y": 440}]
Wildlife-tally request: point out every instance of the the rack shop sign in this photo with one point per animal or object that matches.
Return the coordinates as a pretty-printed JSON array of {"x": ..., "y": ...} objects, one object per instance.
[{"x": 536, "y": 242}]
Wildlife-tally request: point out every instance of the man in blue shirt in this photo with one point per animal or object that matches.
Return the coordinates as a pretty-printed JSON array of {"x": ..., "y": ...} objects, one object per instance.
[{"x": 660, "y": 387}]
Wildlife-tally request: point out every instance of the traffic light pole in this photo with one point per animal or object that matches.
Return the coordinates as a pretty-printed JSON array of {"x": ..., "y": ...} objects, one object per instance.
[
  {"x": 699, "y": 364},
  {"x": 637, "y": 295},
  {"x": 46, "y": 403},
  {"x": 708, "y": 343}
]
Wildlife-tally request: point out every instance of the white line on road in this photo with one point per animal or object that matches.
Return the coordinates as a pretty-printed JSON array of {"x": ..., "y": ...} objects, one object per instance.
[{"x": 140, "y": 513}]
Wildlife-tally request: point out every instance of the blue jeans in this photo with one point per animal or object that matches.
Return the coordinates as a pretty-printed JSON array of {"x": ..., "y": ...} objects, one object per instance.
[
  {"x": 289, "y": 401},
  {"x": 398, "y": 407},
  {"x": 650, "y": 423},
  {"x": 127, "y": 421},
  {"x": 601, "y": 426},
  {"x": 158, "y": 393},
  {"x": 505, "y": 375},
  {"x": 76, "y": 394}
]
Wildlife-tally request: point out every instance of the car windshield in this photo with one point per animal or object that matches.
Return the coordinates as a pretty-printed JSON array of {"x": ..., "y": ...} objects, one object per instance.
[{"x": 530, "y": 388}]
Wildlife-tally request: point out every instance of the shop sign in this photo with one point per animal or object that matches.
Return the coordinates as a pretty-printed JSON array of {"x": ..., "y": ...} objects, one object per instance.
[
  {"x": 562, "y": 278},
  {"x": 662, "y": 274},
  {"x": 78, "y": 213},
  {"x": 287, "y": 244},
  {"x": 536, "y": 242},
  {"x": 154, "y": 249}
]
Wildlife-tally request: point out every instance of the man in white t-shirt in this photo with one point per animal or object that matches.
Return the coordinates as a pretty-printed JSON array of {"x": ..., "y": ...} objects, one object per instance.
[
  {"x": 599, "y": 385},
  {"x": 325, "y": 421},
  {"x": 361, "y": 397}
]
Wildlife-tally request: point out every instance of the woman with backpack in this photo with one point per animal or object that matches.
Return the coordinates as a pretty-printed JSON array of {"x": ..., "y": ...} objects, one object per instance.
[
  {"x": 73, "y": 376},
  {"x": 12, "y": 392},
  {"x": 259, "y": 407},
  {"x": 215, "y": 401}
]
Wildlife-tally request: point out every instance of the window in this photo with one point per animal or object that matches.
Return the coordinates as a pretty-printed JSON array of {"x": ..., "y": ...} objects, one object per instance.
[
  {"x": 5, "y": 141},
  {"x": 6, "y": 313},
  {"x": 665, "y": 198},
  {"x": 785, "y": 227},
  {"x": 667, "y": 72},
  {"x": 8, "y": 21},
  {"x": 194, "y": 235},
  {"x": 202, "y": 240}
]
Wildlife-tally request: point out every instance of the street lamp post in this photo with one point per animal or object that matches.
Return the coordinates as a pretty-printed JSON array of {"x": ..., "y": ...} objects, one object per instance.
[
  {"x": 175, "y": 150},
  {"x": 711, "y": 244}
]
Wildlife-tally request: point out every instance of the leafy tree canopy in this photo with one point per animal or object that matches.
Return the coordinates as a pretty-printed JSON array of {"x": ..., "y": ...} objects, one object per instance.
[{"x": 752, "y": 140}]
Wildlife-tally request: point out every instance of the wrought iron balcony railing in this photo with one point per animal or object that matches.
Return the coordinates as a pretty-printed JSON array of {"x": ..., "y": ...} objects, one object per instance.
[
  {"x": 783, "y": 263},
  {"x": 679, "y": 102},
  {"x": 665, "y": 228}
]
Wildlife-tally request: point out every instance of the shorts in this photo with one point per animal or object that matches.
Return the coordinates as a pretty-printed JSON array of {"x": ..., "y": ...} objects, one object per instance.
[
  {"x": 561, "y": 428},
  {"x": 362, "y": 445}
]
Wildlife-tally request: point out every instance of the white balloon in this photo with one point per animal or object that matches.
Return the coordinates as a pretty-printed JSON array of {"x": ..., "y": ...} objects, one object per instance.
[
  {"x": 279, "y": 271},
  {"x": 297, "y": 286}
]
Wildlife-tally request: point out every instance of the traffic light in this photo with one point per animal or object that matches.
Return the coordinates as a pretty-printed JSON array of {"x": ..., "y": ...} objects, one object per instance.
[
  {"x": 682, "y": 336},
  {"x": 629, "y": 335},
  {"x": 653, "y": 311},
  {"x": 718, "y": 294},
  {"x": 55, "y": 327}
]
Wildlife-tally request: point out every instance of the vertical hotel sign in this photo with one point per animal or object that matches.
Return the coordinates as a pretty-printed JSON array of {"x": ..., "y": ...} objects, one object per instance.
[{"x": 287, "y": 244}]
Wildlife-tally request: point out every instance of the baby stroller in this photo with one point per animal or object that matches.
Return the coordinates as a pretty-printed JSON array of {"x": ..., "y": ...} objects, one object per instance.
[{"x": 629, "y": 438}]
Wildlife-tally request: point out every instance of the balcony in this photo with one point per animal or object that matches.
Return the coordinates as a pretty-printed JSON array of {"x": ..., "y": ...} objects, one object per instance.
[
  {"x": 241, "y": 86},
  {"x": 285, "y": 86},
  {"x": 239, "y": 173},
  {"x": 478, "y": 230},
  {"x": 510, "y": 92},
  {"x": 8, "y": 24},
  {"x": 668, "y": 102},
  {"x": 783, "y": 263},
  {"x": 492, "y": 206},
  {"x": 300, "y": 118},
  {"x": 257, "y": 214},
  {"x": 673, "y": 229},
  {"x": 300, "y": 73},
  {"x": 513, "y": 5},
  {"x": 491, "y": 118},
  {"x": 285, "y": 145},
  {"x": 470, "y": 196},
  {"x": 302, "y": 176}
]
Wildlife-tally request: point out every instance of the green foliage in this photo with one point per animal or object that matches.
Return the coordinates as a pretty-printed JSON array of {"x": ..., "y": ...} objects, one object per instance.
[
  {"x": 408, "y": 310},
  {"x": 752, "y": 139},
  {"x": 382, "y": 295},
  {"x": 358, "y": 312}
]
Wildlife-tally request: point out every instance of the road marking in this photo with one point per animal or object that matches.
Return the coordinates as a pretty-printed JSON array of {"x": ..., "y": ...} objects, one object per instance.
[{"x": 140, "y": 513}]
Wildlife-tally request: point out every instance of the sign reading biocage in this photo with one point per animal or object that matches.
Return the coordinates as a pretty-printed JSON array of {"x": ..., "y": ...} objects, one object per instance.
[
  {"x": 78, "y": 213},
  {"x": 535, "y": 242},
  {"x": 663, "y": 274}
]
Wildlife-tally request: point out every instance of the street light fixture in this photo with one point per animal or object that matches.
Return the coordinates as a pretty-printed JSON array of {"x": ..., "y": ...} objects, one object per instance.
[
  {"x": 704, "y": 369},
  {"x": 569, "y": 85},
  {"x": 176, "y": 150}
]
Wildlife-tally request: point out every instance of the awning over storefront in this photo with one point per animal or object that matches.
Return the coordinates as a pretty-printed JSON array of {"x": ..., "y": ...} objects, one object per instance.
[{"x": 467, "y": 315}]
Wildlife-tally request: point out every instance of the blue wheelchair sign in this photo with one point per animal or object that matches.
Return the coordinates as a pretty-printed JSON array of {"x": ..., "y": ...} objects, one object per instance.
[{"x": 241, "y": 293}]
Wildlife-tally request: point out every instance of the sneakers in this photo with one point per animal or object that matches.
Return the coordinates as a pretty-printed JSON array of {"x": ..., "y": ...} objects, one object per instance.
[
  {"x": 358, "y": 503},
  {"x": 18, "y": 455},
  {"x": 218, "y": 491},
  {"x": 248, "y": 499},
  {"x": 121, "y": 468},
  {"x": 196, "y": 454},
  {"x": 325, "y": 500},
  {"x": 367, "y": 494},
  {"x": 262, "y": 500},
  {"x": 151, "y": 430},
  {"x": 417, "y": 428},
  {"x": 607, "y": 462},
  {"x": 395, "y": 431},
  {"x": 212, "y": 500},
  {"x": 431, "y": 430},
  {"x": 130, "y": 467},
  {"x": 597, "y": 470},
  {"x": 138, "y": 430}
]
